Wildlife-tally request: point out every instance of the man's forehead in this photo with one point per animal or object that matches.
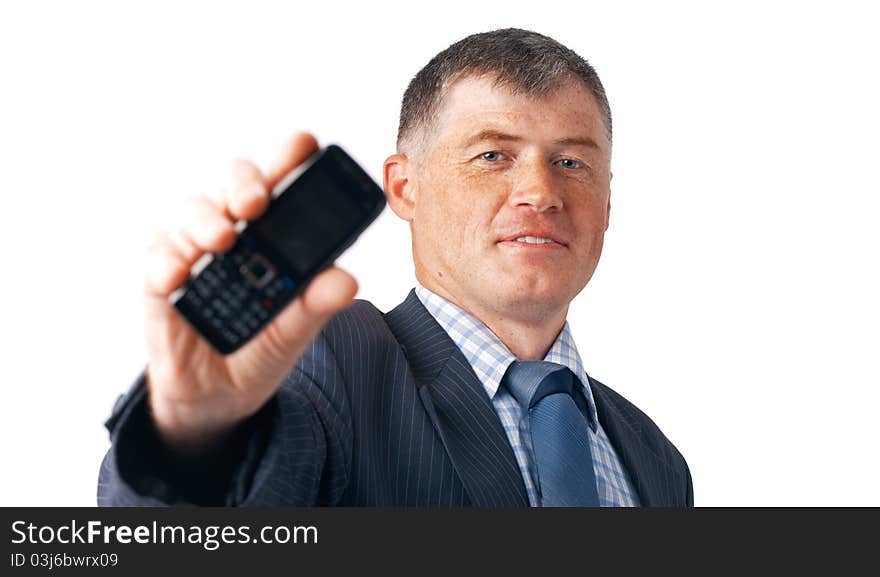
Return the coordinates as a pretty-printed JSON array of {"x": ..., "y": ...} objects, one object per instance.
[{"x": 478, "y": 104}]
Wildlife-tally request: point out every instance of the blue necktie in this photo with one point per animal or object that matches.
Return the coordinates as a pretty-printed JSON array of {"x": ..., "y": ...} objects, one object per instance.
[{"x": 559, "y": 431}]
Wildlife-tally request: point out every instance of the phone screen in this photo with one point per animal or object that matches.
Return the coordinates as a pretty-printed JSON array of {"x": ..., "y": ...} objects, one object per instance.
[{"x": 311, "y": 219}]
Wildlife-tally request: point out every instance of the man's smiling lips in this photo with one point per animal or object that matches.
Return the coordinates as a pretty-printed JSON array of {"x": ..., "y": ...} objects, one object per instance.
[{"x": 534, "y": 240}]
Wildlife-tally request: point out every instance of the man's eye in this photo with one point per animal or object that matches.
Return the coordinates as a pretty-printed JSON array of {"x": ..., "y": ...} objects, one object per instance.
[
  {"x": 491, "y": 156},
  {"x": 569, "y": 163}
]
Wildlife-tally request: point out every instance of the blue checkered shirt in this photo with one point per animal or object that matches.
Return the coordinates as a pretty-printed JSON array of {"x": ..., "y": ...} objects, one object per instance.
[{"x": 490, "y": 359}]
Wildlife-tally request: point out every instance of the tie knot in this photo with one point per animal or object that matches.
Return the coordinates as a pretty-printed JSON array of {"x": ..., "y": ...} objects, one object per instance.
[{"x": 531, "y": 381}]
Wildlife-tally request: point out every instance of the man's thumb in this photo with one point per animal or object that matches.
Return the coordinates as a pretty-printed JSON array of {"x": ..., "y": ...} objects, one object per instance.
[{"x": 329, "y": 292}]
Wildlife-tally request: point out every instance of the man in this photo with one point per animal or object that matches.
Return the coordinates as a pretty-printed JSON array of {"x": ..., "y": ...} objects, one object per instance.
[{"x": 471, "y": 392}]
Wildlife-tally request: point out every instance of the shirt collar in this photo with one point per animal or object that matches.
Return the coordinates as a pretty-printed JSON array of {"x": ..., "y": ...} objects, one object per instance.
[{"x": 489, "y": 357}]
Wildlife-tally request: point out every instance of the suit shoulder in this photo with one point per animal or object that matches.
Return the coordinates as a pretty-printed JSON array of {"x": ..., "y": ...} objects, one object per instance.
[
  {"x": 359, "y": 310},
  {"x": 360, "y": 322},
  {"x": 637, "y": 420}
]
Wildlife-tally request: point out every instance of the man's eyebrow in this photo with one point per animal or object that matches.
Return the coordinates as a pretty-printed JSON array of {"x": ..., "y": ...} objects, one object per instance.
[
  {"x": 490, "y": 134},
  {"x": 578, "y": 141}
]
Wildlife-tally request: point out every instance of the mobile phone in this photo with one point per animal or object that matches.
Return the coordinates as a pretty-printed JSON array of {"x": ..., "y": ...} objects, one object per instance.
[{"x": 316, "y": 212}]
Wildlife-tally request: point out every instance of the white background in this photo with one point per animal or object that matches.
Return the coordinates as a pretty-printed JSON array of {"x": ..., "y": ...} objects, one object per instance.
[{"x": 736, "y": 301}]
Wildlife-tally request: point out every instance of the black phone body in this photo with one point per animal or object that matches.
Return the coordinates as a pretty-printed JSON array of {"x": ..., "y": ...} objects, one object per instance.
[{"x": 316, "y": 212}]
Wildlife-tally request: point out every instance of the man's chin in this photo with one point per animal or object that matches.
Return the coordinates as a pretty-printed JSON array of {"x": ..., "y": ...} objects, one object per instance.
[{"x": 535, "y": 306}]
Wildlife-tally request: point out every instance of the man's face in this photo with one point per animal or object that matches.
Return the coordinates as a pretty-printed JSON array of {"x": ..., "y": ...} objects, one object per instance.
[{"x": 512, "y": 199}]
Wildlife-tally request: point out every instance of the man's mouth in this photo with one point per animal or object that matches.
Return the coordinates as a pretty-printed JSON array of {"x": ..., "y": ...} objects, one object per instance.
[{"x": 534, "y": 239}]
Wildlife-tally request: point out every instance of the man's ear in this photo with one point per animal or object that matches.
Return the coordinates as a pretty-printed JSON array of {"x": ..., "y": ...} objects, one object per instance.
[{"x": 400, "y": 186}]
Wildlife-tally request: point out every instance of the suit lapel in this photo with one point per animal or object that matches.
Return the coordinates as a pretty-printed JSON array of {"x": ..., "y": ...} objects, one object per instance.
[
  {"x": 459, "y": 408},
  {"x": 647, "y": 471}
]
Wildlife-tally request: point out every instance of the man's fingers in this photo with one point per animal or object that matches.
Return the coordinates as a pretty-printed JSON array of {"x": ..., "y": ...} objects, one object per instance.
[
  {"x": 298, "y": 147},
  {"x": 165, "y": 267},
  {"x": 248, "y": 197},
  {"x": 203, "y": 227},
  {"x": 209, "y": 226}
]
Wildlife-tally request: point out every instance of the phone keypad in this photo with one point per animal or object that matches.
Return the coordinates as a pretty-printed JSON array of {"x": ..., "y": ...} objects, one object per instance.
[{"x": 236, "y": 294}]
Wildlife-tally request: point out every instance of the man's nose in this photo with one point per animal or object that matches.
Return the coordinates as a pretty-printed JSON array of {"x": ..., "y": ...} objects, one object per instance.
[{"x": 534, "y": 186}]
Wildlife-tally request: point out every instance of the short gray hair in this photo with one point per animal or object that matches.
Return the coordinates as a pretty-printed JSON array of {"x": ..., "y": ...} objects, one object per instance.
[{"x": 520, "y": 60}]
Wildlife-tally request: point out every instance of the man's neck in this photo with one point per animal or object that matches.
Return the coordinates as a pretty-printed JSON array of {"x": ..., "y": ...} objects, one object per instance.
[{"x": 528, "y": 340}]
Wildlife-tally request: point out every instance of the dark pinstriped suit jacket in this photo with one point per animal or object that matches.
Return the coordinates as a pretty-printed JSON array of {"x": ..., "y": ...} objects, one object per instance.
[{"x": 384, "y": 410}]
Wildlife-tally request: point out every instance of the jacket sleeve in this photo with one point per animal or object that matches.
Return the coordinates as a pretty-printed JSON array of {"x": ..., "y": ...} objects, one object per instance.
[{"x": 295, "y": 451}]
